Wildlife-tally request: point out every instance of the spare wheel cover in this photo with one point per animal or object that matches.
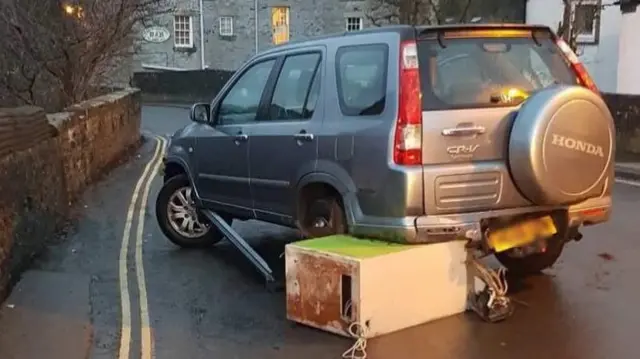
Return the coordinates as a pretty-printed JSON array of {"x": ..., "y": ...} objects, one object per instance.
[{"x": 562, "y": 145}]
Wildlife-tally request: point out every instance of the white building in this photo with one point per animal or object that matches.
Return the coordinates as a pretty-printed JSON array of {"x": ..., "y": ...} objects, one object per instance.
[{"x": 602, "y": 29}]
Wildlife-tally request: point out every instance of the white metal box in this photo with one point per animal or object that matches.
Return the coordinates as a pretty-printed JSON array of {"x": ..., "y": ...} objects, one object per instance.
[{"x": 334, "y": 281}]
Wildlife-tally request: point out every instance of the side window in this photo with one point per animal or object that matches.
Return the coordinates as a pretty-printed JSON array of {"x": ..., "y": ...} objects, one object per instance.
[
  {"x": 240, "y": 104},
  {"x": 292, "y": 97},
  {"x": 361, "y": 74}
]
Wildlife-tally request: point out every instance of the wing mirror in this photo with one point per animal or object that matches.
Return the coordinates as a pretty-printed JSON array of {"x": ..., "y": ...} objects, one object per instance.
[{"x": 200, "y": 112}]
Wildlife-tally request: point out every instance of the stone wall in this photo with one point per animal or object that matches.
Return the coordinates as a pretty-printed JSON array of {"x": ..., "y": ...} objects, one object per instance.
[
  {"x": 626, "y": 112},
  {"x": 181, "y": 86},
  {"x": 42, "y": 174}
]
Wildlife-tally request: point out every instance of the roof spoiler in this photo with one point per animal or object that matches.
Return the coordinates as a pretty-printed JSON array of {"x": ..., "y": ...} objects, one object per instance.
[{"x": 481, "y": 30}]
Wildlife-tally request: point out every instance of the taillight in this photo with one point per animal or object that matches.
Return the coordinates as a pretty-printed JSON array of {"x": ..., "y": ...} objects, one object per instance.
[
  {"x": 583, "y": 75},
  {"x": 407, "y": 146}
]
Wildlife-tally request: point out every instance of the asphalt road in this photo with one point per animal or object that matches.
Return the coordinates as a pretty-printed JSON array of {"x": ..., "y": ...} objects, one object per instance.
[{"x": 211, "y": 304}]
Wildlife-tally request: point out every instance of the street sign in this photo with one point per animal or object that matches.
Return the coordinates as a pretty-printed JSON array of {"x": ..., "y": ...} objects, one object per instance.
[{"x": 156, "y": 34}]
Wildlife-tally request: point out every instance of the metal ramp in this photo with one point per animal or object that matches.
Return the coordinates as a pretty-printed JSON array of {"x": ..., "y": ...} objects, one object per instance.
[{"x": 244, "y": 247}]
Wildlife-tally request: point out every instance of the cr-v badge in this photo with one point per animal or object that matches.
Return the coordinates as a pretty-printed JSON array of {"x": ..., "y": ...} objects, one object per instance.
[
  {"x": 462, "y": 151},
  {"x": 577, "y": 145}
]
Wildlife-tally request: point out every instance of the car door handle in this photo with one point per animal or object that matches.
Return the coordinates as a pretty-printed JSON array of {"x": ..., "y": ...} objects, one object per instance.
[
  {"x": 464, "y": 131},
  {"x": 240, "y": 137},
  {"x": 303, "y": 136}
]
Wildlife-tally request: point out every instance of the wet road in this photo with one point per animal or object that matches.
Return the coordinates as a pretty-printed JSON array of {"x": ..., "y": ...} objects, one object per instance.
[{"x": 211, "y": 304}]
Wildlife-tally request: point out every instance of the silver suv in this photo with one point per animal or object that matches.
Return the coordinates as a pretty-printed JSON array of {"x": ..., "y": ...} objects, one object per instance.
[{"x": 489, "y": 133}]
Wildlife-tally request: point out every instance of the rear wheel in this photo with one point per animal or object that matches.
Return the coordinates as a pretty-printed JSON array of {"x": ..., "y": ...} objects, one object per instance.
[
  {"x": 322, "y": 214},
  {"x": 533, "y": 263},
  {"x": 179, "y": 219}
]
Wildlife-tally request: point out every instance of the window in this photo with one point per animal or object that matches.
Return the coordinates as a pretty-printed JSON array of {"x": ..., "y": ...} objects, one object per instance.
[
  {"x": 240, "y": 104},
  {"x": 297, "y": 88},
  {"x": 226, "y": 26},
  {"x": 354, "y": 23},
  {"x": 477, "y": 72},
  {"x": 183, "y": 31},
  {"x": 361, "y": 73},
  {"x": 586, "y": 19},
  {"x": 280, "y": 24}
]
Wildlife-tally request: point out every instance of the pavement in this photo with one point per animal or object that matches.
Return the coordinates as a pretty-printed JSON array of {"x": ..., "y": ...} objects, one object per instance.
[{"x": 211, "y": 304}]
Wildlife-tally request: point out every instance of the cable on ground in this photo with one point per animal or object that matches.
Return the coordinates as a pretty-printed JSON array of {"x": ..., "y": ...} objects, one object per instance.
[{"x": 359, "y": 332}]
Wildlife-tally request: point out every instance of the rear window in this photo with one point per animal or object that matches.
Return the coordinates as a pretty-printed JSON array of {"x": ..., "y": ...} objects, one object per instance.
[{"x": 473, "y": 72}]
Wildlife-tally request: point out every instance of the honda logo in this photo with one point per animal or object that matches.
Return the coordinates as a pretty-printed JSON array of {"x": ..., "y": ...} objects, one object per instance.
[{"x": 577, "y": 145}]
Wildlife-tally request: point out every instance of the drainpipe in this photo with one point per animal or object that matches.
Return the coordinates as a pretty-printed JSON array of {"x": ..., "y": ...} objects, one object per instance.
[
  {"x": 255, "y": 16},
  {"x": 202, "y": 63}
]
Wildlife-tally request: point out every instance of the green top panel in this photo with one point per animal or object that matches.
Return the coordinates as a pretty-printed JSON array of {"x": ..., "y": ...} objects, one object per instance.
[{"x": 351, "y": 246}]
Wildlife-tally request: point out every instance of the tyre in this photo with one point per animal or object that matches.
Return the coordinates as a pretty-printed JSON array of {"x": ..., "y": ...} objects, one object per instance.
[
  {"x": 533, "y": 263},
  {"x": 178, "y": 218},
  {"x": 322, "y": 215},
  {"x": 551, "y": 160}
]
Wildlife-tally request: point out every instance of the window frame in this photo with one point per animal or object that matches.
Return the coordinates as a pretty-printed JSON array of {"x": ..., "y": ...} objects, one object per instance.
[
  {"x": 221, "y": 26},
  {"x": 344, "y": 109},
  {"x": 175, "y": 31},
  {"x": 585, "y": 38},
  {"x": 277, "y": 28},
  {"x": 276, "y": 76},
  {"x": 360, "y": 23},
  {"x": 268, "y": 88}
]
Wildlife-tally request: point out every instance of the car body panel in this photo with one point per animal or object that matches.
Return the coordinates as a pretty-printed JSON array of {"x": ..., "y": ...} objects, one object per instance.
[
  {"x": 282, "y": 151},
  {"x": 464, "y": 180}
]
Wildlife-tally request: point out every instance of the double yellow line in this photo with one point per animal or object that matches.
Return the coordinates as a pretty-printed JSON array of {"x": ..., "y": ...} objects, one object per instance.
[{"x": 141, "y": 190}]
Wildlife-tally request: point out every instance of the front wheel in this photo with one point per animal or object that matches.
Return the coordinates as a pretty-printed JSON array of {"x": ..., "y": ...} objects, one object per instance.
[
  {"x": 179, "y": 219},
  {"x": 533, "y": 263}
]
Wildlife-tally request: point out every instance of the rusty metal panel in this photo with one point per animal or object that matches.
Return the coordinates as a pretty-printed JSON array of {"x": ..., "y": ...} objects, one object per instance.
[{"x": 314, "y": 289}]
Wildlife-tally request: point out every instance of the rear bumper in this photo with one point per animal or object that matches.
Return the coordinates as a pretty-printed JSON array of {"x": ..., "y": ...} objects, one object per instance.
[{"x": 467, "y": 226}]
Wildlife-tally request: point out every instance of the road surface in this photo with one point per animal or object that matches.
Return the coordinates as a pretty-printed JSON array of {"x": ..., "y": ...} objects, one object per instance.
[{"x": 211, "y": 304}]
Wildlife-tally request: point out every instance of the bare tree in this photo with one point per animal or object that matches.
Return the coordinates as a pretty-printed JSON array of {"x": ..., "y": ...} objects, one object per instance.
[
  {"x": 416, "y": 12},
  {"x": 55, "y": 54},
  {"x": 567, "y": 26},
  {"x": 570, "y": 25}
]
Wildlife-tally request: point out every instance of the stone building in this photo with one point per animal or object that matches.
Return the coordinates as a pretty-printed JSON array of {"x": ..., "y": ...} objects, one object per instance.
[
  {"x": 229, "y": 28},
  {"x": 607, "y": 39},
  {"x": 234, "y": 30}
]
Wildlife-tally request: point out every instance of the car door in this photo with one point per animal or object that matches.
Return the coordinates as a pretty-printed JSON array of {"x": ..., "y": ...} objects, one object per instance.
[
  {"x": 283, "y": 141},
  {"x": 223, "y": 171}
]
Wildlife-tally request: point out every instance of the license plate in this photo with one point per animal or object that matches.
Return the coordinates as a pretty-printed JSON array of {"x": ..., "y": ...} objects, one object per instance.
[{"x": 521, "y": 233}]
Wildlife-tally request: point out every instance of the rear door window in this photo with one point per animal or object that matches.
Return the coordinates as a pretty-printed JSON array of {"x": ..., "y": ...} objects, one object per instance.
[
  {"x": 361, "y": 74},
  {"x": 488, "y": 71},
  {"x": 294, "y": 97}
]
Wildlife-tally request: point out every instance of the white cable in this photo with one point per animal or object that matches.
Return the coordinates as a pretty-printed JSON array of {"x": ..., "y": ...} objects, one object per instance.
[{"x": 359, "y": 349}]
